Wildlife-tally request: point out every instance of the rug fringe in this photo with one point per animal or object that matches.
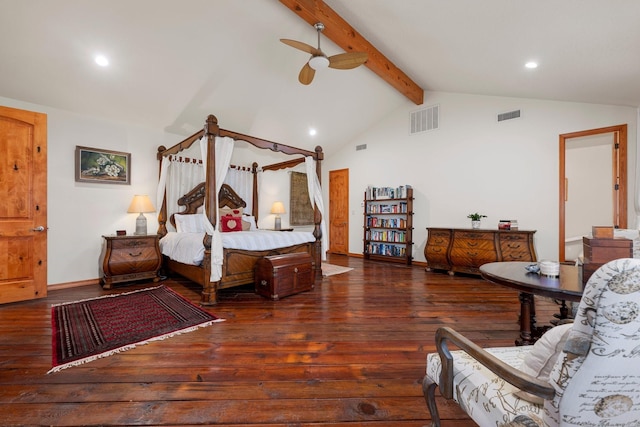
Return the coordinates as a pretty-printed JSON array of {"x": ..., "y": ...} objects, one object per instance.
[
  {"x": 130, "y": 346},
  {"x": 106, "y": 296}
]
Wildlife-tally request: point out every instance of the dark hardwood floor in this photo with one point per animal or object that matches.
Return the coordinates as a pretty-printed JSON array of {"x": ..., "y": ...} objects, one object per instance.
[{"x": 349, "y": 353}]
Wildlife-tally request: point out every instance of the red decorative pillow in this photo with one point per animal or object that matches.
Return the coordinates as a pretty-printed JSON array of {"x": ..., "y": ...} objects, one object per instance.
[{"x": 230, "y": 223}]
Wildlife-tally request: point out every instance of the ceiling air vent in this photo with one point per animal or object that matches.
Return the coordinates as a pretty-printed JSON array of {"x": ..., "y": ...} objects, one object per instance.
[
  {"x": 425, "y": 119},
  {"x": 509, "y": 115},
  {"x": 361, "y": 147}
]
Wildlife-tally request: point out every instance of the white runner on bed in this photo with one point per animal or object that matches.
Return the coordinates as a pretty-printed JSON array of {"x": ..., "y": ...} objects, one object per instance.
[{"x": 187, "y": 248}]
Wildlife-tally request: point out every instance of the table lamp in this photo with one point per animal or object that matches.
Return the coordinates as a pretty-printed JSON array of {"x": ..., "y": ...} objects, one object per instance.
[
  {"x": 277, "y": 209},
  {"x": 141, "y": 204}
]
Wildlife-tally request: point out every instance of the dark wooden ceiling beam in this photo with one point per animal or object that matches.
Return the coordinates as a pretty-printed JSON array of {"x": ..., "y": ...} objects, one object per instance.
[{"x": 344, "y": 35}]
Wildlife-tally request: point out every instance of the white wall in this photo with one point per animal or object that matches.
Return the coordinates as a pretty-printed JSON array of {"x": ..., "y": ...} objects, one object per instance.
[
  {"x": 506, "y": 170},
  {"x": 80, "y": 213}
]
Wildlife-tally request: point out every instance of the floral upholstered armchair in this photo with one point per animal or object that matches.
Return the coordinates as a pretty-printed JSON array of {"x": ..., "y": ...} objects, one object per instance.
[{"x": 582, "y": 374}]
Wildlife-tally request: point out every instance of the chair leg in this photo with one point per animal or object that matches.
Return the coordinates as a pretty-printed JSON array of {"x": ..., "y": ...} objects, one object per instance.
[{"x": 429, "y": 391}]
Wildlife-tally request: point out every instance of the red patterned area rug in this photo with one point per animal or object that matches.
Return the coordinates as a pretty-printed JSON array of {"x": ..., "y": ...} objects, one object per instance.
[{"x": 86, "y": 330}]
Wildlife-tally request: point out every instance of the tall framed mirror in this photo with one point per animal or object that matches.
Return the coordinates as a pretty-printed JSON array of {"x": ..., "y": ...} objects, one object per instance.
[{"x": 592, "y": 186}]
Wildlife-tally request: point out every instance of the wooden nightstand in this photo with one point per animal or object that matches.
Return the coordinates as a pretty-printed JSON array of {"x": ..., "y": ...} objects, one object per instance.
[{"x": 128, "y": 258}]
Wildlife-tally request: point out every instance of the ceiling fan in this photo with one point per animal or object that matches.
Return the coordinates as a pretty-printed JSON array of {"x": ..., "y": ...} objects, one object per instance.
[{"x": 318, "y": 60}]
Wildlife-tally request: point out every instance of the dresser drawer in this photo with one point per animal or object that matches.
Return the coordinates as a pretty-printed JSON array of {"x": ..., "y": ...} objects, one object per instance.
[
  {"x": 479, "y": 245},
  {"x": 133, "y": 260},
  {"x": 439, "y": 238},
  {"x": 471, "y": 257}
]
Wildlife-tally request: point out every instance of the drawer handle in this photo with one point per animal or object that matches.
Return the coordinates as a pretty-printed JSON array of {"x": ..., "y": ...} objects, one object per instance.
[
  {"x": 472, "y": 244},
  {"x": 135, "y": 255},
  {"x": 513, "y": 245},
  {"x": 472, "y": 254},
  {"x": 295, "y": 270},
  {"x": 437, "y": 249},
  {"x": 263, "y": 283}
]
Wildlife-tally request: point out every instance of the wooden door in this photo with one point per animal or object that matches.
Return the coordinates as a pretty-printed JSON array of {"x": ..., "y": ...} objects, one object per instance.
[
  {"x": 339, "y": 211},
  {"x": 23, "y": 210},
  {"x": 591, "y": 183}
]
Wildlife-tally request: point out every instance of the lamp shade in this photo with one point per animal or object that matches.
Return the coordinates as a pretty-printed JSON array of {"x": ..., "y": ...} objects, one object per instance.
[
  {"x": 141, "y": 204},
  {"x": 277, "y": 208}
]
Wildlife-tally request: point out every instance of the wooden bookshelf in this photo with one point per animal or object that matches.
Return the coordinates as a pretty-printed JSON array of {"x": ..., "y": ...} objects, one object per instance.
[{"x": 388, "y": 224}]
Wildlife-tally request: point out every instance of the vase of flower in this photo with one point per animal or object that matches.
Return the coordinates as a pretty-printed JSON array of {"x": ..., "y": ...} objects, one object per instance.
[{"x": 476, "y": 220}]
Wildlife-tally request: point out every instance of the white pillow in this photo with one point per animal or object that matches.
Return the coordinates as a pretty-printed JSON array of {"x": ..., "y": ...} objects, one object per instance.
[
  {"x": 540, "y": 360},
  {"x": 189, "y": 223},
  {"x": 251, "y": 220}
]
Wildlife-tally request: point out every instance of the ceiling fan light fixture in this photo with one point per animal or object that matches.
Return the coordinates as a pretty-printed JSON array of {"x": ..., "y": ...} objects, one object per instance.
[{"x": 319, "y": 62}]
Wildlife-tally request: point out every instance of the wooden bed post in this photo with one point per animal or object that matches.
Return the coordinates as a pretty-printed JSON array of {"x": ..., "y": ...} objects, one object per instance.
[
  {"x": 211, "y": 203},
  {"x": 162, "y": 213},
  {"x": 254, "y": 171},
  {"x": 211, "y": 130},
  {"x": 317, "y": 218}
]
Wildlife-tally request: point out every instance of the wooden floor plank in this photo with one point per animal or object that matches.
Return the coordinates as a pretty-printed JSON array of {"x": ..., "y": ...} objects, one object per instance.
[{"x": 349, "y": 353}]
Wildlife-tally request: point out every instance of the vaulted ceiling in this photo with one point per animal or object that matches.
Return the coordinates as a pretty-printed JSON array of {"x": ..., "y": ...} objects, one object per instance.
[{"x": 173, "y": 62}]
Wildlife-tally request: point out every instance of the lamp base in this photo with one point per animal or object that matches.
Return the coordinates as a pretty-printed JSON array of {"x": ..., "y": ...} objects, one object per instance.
[
  {"x": 141, "y": 225},
  {"x": 278, "y": 224}
]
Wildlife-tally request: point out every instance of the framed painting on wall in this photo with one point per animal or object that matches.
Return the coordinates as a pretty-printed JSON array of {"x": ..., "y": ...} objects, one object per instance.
[{"x": 102, "y": 166}]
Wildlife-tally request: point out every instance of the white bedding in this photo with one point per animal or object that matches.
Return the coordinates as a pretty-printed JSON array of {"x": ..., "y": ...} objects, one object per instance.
[{"x": 187, "y": 248}]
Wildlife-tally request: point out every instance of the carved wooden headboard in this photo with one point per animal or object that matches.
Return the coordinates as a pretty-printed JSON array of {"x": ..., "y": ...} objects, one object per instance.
[{"x": 195, "y": 198}]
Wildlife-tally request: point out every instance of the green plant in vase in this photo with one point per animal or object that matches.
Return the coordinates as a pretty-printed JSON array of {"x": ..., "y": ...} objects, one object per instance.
[{"x": 475, "y": 219}]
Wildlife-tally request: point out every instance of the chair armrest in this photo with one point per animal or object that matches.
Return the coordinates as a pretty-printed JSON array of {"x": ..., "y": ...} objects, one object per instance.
[{"x": 510, "y": 374}]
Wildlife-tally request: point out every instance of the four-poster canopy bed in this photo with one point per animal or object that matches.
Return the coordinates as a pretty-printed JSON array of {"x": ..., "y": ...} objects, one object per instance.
[{"x": 237, "y": 261}]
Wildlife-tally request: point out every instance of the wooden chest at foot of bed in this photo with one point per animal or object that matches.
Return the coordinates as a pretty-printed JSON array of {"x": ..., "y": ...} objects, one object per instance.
[{"x": 278, "y": 276}]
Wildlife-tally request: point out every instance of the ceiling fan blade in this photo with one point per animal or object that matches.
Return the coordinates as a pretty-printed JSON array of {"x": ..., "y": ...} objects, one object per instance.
[
  {"x": 346, "y": 61},
  {"x": 302, "y": 46},
  {"x": 306, "y": 74}
]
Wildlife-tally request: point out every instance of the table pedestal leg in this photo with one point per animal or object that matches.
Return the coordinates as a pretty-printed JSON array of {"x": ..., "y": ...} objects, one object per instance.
[{"x": 527, "y": 319}]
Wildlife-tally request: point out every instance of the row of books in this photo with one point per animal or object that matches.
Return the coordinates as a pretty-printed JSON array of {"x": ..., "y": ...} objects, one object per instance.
[
  {"x": 375, "y": 222},
  {"x": 373, "y": 193},
  {"x": 400, "y": 207},
  {"x": 386, "y": 249},
  {"x": 387, "y": 236}
]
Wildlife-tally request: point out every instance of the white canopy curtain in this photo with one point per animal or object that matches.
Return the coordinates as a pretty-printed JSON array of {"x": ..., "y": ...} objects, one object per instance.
[
  {"x": 315, "y": 196},
  {"x": 224, "y": 149},
  {"x": 178, "y": 176},
  {"x": 241, "y": 180}
]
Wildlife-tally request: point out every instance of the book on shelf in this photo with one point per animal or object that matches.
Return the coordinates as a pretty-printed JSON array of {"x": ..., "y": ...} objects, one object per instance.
[{"x": 376, "y": 193}]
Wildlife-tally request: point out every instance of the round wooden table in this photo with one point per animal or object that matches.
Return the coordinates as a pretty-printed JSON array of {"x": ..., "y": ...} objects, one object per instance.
[{"x": 567, "y": 287}]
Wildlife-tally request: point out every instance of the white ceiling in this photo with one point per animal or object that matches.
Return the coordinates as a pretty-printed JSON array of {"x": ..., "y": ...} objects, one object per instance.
[{"x": 175, "y": 61}]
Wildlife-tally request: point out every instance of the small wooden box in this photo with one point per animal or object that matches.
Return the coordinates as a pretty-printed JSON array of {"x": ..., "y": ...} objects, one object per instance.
[
  {"x": 278, "y": 276},
  {"x": 605, "y": 250},
  {"x": 598, "y": 252},
  {"x": 600, "y": 232}
]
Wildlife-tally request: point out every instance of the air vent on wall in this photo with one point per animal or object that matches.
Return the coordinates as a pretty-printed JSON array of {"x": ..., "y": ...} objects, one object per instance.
[
  {"x": 425, "y": 119},
  {"x": 509, "y": 115}
]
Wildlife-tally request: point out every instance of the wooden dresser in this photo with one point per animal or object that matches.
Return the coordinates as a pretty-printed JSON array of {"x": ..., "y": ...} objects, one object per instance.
[
  {"x": 128, "y": 258},
  {"x": 465, "y": 250}
]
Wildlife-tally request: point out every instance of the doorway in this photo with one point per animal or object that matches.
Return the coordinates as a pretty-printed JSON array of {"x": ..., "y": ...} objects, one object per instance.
[
  {"x": 592, "y": 186},
  {"x": 23, "y": 211},
  {"x": 339, "y": 211}
]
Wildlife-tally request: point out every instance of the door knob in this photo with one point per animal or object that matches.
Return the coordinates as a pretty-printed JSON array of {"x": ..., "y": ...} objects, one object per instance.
[{"x": 38, "y": 228}]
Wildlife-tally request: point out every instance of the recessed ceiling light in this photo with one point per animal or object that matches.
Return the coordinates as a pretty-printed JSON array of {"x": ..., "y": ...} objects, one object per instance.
[
  {"x": 101, "y": 60},
  {"x": 531, "y": 64},
  {"x": 312, "y": 132}
]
